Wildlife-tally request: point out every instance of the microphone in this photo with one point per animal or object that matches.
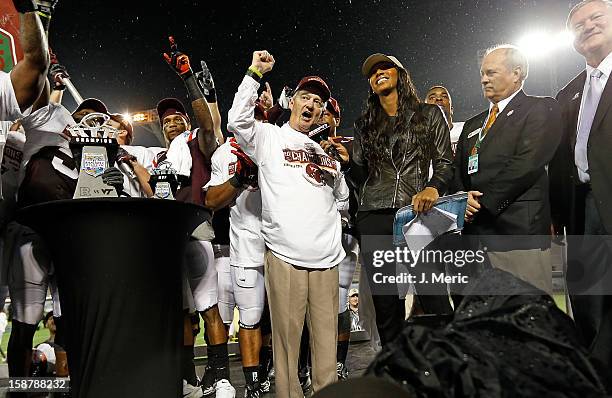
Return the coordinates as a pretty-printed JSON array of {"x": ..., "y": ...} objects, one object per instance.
[
  {"x": 317, "y": 131},
  {"x": 333, "y": 152},
  {"x": 123, "y": 161},
  {"x": 321, "y": 133}
]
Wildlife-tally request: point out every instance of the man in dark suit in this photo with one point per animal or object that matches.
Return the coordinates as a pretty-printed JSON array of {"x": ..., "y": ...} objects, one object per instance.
[
  {"x": 501, "y": 161},
  {"x": 581, "y": 179}
]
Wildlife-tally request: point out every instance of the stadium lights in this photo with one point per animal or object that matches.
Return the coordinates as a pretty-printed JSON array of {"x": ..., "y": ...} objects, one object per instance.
[
  {"x": 539, "y": 44},
  {"x": 139, "y": 117},
  {"x": 146, "y": 116}
]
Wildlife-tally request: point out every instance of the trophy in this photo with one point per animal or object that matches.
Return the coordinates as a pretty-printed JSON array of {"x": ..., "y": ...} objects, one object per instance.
[
  {"x": 164, "y": 181},
  {"x": 92, "y": 141}
]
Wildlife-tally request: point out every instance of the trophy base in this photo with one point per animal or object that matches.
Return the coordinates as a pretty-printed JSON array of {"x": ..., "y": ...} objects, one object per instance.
[{"x": 118, "y": 265}]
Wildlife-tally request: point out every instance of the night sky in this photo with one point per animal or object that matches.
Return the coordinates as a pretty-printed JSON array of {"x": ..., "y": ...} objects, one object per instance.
[{"x": 112, "y": 49}]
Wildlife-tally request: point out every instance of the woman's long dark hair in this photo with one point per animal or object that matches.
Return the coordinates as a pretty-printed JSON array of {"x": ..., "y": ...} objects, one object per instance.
[{"x": 410, "y": 132}]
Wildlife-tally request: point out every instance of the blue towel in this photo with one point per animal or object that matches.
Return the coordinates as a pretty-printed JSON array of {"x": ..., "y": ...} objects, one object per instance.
[{"x": 455, "y": 204}]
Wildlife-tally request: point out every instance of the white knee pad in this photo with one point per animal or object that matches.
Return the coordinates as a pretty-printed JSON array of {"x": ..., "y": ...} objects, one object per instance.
[
  {"x": 201, "y": 275},
  {"x": 226, "y": 292},
  {"x": 249, "y": 292}
]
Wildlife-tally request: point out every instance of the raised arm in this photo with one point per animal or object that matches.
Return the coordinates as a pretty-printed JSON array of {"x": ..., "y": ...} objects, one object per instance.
[
  {"x": 207, "y": 85},
  {"x": 179, "y": 62},
  {"x": 29, "y": 75},
  {"x": 57, "y": 74},
  {"x": 241, "y": 116}
]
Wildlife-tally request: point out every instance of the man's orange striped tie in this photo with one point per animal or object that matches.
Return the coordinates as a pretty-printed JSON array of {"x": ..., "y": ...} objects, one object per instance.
[{"x": 491, "y": 120}]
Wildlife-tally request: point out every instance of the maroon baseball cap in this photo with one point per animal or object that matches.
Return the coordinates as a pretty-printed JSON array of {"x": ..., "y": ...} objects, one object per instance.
[
  {"x": 333, "y": 106},
  {"x": 92, "y": 103},
  {"x": 316, "y": 84},
  {"x": 171, "y": 106}
]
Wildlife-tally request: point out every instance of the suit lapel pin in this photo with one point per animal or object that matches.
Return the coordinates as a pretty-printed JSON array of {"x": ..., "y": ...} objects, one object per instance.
[
  {"x": 576, "y": 96},
  {"x": 510, "y": 113}
]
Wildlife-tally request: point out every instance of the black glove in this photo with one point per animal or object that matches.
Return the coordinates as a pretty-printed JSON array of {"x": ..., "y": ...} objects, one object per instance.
[
  {"x": 23, "y": 6},
  {"x": 114, "y": 177},
  {"x": 206, "y": 83},
  {"x": 178, "y": 61},
  {"x": 124, "y": 156},
  {"x": 246, "y": 169},
  {"x": 57, "y": 73},
  {"x": 46, "y": 6},
  {"x": 44, "y": 9}
]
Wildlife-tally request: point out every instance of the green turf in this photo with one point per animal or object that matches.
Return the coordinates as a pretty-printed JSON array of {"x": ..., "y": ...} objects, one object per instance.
[{"x": 40, "y": 336}]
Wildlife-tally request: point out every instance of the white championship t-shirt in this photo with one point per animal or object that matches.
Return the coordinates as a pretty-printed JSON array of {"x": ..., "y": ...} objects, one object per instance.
[
  {"x": 247, "y": 247},
  {"x": 299, "y": 186}
]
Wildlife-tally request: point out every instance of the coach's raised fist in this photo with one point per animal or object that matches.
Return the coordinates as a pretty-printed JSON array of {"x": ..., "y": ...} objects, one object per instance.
[{"x": 263, "y": 61}]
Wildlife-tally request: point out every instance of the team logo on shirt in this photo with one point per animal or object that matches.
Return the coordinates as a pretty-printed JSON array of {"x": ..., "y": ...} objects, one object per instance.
[
  {"x": 318, "y": 169},
  {"x": 313, "y": 174},
  {"x": 231, "y": 168},
  {"x": 93, "y": 163}
]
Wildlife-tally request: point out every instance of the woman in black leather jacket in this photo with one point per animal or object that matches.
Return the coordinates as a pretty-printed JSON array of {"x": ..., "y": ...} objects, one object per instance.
[{"x": 396, "y": 139}]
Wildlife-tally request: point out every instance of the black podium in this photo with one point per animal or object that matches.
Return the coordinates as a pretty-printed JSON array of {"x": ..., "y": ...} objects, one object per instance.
[{"x": 118, "y": 264}]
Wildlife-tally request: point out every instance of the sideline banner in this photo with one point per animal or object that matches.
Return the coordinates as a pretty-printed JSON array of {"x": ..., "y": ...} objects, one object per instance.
[{"x": 10, "y": 48}]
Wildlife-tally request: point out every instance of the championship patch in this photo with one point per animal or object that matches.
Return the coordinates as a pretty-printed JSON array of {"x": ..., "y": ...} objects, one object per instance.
[
  {"x": 313, "y": 174},
  {"x": 162, "y": 190},
  {"x": 93, "y": 163}
]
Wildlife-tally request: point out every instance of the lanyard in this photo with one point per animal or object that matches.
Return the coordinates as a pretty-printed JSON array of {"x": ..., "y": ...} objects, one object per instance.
[{"x": 481, "y": 137}]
